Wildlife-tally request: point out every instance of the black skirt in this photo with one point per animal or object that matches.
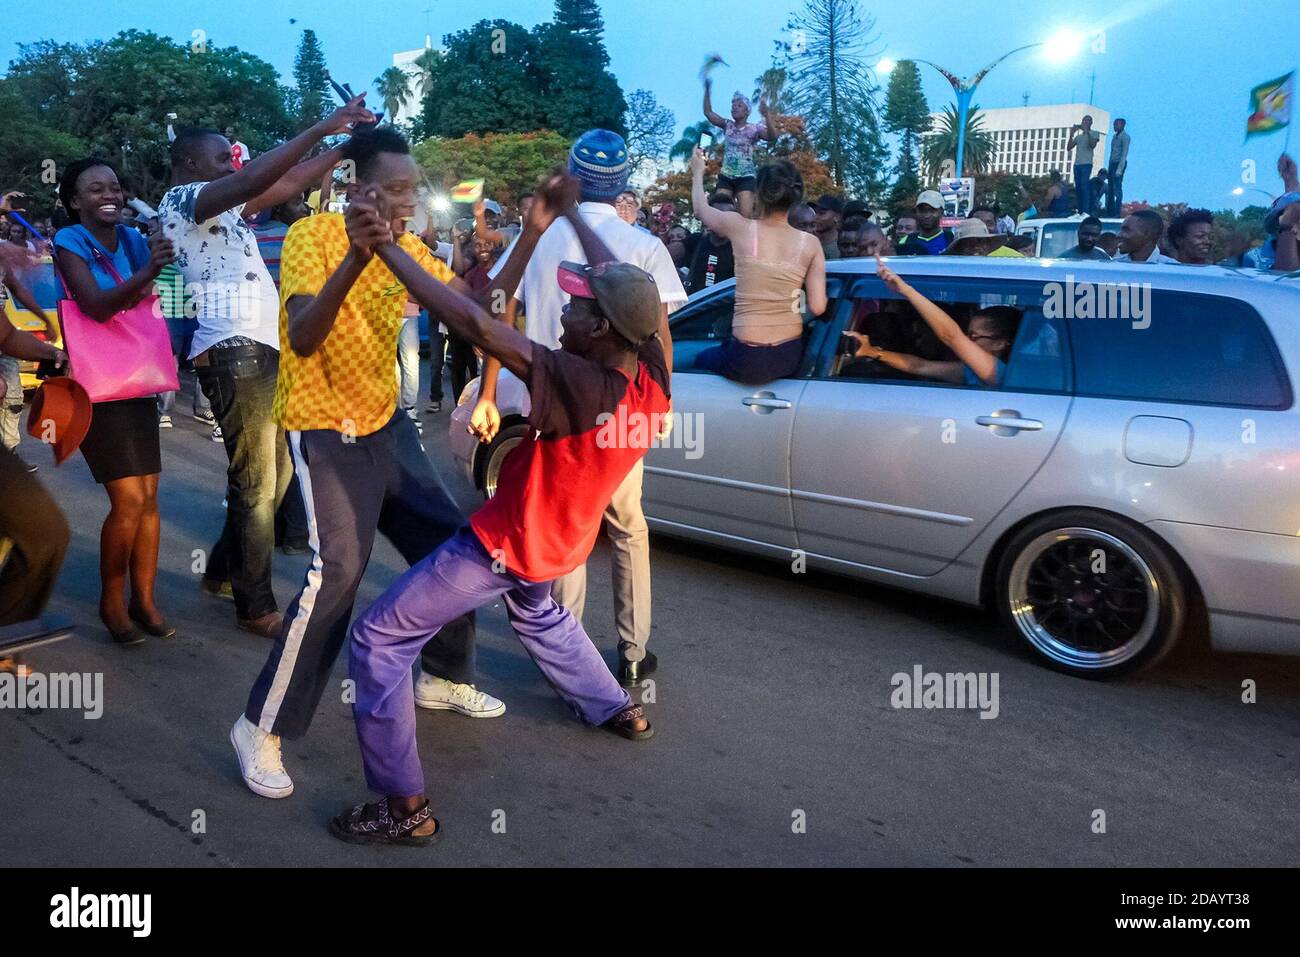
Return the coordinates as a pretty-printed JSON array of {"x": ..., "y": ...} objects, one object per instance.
[{"x": 123, "y": 440}]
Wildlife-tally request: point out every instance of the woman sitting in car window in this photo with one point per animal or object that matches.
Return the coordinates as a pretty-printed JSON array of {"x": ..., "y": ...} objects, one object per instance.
[
  {"x": 983, "y": 350},
  {"x": 777, "y": 268}
]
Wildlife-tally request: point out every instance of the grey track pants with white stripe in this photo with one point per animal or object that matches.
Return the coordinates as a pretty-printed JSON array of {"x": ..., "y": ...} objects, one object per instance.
[{"x": 379, "y": 482}]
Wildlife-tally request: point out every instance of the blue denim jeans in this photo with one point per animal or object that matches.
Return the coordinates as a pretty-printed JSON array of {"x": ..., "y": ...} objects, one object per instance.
[
  {"x": 1083, "y": 188},
  {"x": 240, "y": 384}
]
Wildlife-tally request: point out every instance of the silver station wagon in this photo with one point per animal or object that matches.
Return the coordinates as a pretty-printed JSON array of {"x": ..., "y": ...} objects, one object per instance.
[{"x": 1137, "y": 467}]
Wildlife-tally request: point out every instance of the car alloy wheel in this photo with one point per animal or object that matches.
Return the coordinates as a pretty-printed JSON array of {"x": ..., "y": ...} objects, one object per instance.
[{"x": 1084, "y": 598}]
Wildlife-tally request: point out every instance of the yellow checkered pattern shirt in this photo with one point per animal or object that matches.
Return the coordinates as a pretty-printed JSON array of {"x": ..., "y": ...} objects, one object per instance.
[{"x": 349, "y": 384}]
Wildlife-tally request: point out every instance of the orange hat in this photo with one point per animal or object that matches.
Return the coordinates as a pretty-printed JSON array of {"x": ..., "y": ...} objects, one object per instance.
[{"x": 60, "y": 411}]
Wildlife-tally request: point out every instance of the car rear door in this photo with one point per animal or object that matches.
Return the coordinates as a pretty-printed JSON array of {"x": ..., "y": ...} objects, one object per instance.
[
  {"x": 902, "y": 474},
  {"x": 725, "y": 468}
]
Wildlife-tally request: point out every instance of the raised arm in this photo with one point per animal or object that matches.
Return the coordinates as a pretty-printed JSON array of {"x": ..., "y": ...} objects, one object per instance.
[
  {"x": 709, "y": 115},
  {"x": 261, "y": 174},
  {"x": 729, "y": 225},
  {"x": 769, "y": 119},
  {"x": 296, "y": 181},
  {"x": 943, "y": 325},
  {"x": 481, "y": 228},
  {"x": 459, "y": 313}
]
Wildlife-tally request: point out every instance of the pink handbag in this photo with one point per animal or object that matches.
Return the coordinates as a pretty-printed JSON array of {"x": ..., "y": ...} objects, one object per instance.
[{"x": 126, "y": 357}]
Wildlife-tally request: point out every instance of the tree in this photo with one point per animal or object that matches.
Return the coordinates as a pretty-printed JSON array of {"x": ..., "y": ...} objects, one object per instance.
[
  {"x": 582, "y": 93},
  {"x": 311, "y": 85},
  {"x": 684, "y": 147},
  {"x": 832, "y": 87},
  {"x": 649, "y": 129},
  {"x": 111, "y": 97},
  {"x": 393, "y": 88},
  {"x": 490, "y": 79},
  {"x": 907, "y": 115},
  {"x": 510, "y": 163},
  {"x": 940, "y": 146},
  {"x": 27, "y": 143}
]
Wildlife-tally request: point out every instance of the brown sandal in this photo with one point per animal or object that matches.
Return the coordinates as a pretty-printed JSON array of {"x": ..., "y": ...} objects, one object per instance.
[{"x": 623, "y": 724}]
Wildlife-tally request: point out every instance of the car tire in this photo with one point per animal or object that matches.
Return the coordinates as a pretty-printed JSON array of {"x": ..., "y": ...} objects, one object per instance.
[
  {"x": 487, "y": 468},
  {"x": 1092, "y": 595}
]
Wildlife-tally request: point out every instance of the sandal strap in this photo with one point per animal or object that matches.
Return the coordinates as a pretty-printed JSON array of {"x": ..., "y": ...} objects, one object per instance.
[
  {"x": 408, "y": 824},
  {"x": 628, "y": 715}
]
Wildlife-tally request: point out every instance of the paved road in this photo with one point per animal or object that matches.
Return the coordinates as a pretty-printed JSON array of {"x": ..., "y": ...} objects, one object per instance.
[{"x": 773, "y": 699}]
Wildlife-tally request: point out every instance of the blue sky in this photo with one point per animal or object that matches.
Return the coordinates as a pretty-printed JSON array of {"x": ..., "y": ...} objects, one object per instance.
[{"x": 1179, "y": 70}]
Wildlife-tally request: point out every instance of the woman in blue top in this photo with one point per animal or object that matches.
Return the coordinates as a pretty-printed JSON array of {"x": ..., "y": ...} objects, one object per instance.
[
  {"x": 982, "y": 350},
  {"x": 122, "y": 445}
]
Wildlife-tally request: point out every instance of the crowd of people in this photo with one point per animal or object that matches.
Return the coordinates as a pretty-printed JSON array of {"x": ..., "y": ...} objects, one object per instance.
[{"x": 301, "y": 328}]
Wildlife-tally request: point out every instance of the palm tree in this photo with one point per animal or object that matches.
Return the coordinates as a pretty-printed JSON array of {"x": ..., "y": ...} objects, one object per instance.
[
  {"x": 393, "y": 87},
  {"x": 683, "y": 148},
  {"x": 940, "y": 146},
  {"x": 426, "y": 62}
]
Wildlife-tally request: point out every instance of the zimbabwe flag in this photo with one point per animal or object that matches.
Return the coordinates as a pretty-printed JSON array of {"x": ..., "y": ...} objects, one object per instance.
[{"x": 1270, "y": 105}]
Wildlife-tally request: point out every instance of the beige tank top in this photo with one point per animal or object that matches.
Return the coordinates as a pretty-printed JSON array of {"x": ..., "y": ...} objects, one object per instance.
[{"x": 770, "y": 273}]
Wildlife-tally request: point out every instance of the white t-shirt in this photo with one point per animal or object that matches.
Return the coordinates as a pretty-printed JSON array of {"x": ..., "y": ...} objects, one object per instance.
[
  {"x": 232, "y": 291},
  {"x": 540, "y": 292}
]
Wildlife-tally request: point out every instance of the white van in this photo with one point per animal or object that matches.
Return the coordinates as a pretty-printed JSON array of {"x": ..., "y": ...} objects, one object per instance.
[{"x": 1054, "y": 236}]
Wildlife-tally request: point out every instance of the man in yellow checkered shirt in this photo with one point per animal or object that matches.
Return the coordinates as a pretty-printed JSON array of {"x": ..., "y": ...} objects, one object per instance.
[{"x": 358, "y": 457}]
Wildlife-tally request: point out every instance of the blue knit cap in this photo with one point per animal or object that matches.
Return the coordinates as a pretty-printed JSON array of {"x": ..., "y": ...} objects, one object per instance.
[{"x": 599, "y": 160}]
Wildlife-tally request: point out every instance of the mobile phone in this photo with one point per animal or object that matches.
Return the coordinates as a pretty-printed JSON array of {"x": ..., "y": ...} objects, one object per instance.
[
  {"x": 706, "y": 141},
  {"x": 848, "y": 346}
]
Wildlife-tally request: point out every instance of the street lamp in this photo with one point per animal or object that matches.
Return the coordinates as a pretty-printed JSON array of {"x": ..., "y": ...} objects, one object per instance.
[
  {"x": 1060, "y": 47},
  {"x": 1240, "y": 191}
]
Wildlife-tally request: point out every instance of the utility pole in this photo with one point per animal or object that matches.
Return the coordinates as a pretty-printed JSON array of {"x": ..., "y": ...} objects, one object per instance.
[{"x": 1092, "y": 87}]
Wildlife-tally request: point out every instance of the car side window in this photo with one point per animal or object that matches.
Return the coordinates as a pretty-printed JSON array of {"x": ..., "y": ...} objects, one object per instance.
[
  {"x": 1035, "y": 357},
  {"x": 700, "y": 326},
  {"x": 1181, "y": 347}
]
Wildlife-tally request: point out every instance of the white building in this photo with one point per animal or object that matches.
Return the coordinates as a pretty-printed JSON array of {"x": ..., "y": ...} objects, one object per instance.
[
  {"x": 405, "y": 61},
  {"x": 1034, "y": 140}
]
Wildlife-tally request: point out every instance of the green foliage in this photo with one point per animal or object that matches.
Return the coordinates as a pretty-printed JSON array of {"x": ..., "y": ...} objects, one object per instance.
[
  {"x": 511, "y": 163},
  {"x": 489, "y": 80},
  {"x": 498, "y": 77},
  {"x": 941, "y": 146},
  {"x": 830, "y": 85},
  {"x": 393, "y": 88},
  {"x": 311, "y": 95},
  {"x": 26, "y": 143},
  {"x": 111, "y": 98}
]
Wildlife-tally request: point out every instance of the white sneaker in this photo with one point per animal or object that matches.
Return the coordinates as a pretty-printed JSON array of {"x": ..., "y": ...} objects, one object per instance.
[
  {"x": 259, "y": 760},
  {"x": 164, "y": 421},
  {"x": 216, "y": 434},
  {"x": 439, "y": 694}
]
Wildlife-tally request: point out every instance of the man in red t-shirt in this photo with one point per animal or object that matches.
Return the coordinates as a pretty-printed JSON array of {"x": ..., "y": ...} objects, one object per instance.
[{"x": 597, "y": 404}]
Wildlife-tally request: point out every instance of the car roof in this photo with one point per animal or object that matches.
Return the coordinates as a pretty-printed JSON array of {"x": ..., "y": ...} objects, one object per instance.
[{"x": 1219, "y": 280}]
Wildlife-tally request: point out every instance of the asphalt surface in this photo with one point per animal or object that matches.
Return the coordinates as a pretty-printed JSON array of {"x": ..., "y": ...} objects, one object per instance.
[{"x": 776, "y": 740}]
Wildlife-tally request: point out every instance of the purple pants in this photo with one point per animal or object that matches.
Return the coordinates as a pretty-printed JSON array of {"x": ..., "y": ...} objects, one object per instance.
[{"x": 455, "y": 579}]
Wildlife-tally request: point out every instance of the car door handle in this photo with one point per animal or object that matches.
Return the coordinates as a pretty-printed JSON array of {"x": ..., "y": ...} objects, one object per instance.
[
  {"x": 766, "y": 401},
  {"x": 1010, "y": 420}
]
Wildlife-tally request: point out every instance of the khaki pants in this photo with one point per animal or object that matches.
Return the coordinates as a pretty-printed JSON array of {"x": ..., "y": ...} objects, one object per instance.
[
  {"x": 629, "y": 537},
  {"x": 11, "y": 406}
]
